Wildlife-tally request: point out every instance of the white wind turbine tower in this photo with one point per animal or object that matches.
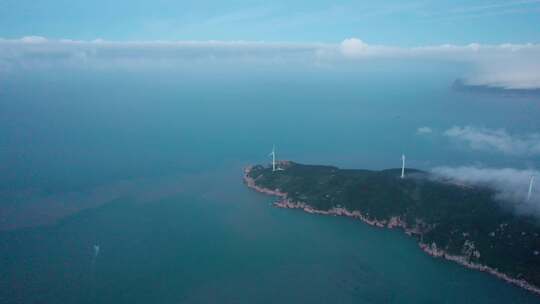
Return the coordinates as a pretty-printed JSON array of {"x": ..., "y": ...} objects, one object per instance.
[
  {"x": 273, "y": 154},
  {"x": 531, "y": 182},
  {"x": 402, "y": 165}
]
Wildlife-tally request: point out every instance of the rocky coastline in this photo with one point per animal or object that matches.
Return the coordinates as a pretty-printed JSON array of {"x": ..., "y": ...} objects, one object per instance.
[{"x": 393, "y": 222}]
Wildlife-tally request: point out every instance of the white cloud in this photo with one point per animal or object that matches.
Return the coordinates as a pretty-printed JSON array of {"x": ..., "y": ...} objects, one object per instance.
[
  {"x": 508, "y": 66},
  {"x": 36, "y": 52},
  {"x": 33, "y": 39},
  {"x": 505, "y": 65},
  {"x": 353, "y": 47},
  {"x": 424, "y": 130},
  {"x": 519, "y": 73},
  {"x": 498, "y": 140},
  {"x": 510, "y": 184}
]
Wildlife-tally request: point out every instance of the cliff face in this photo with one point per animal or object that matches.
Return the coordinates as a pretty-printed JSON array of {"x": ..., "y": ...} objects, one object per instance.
[{"x": 461, "y": 224}]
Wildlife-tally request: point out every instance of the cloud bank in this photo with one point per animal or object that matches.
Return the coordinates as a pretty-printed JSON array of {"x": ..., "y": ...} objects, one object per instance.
[
  {"x": 513, "y": 66},
  {"x": 511, "y": 184},
  {"x": 39, "y": 52},
  {"x": 507, "y": 66},
  {"x": 498, "y": 140}
]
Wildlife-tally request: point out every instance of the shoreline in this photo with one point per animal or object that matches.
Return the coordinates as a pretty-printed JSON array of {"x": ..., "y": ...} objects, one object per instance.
[{"x": 393, "y": 222}]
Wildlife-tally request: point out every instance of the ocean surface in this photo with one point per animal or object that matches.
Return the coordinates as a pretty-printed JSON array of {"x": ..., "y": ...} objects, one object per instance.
[{"x": 148, "y": 167}]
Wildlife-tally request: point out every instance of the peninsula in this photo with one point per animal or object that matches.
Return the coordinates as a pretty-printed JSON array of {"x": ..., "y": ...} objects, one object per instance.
[{"x": 458, "y": 222}]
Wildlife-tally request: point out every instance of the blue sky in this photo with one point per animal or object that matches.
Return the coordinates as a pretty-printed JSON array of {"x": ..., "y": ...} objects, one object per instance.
[
  {"x": 498, "y": 41},
  {"x": 399, "y": 23}
]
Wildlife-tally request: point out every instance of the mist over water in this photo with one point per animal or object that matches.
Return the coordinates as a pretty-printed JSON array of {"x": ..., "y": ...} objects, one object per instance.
[{"x": 147, "y": 166}]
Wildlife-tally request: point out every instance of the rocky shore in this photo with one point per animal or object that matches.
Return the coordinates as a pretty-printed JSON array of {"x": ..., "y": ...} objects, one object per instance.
[{"x": 393, "y": 222}]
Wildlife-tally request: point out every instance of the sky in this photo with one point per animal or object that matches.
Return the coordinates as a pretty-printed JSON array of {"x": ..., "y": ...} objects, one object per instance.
[
  {"x": 497, "y": 40},
  {"x": 397, "y": 23}
]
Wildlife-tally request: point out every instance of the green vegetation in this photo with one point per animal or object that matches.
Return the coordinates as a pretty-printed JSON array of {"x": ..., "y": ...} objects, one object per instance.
[{"x": 452, "y": 216}]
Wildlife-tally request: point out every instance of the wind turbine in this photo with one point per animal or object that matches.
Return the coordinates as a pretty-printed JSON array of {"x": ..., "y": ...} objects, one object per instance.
[
  {"x": 402, "y": 165},
  {"x": 273, "y": 154},
  {"x": 531, "y": 182},
  {"x": 96, "y": 251}
]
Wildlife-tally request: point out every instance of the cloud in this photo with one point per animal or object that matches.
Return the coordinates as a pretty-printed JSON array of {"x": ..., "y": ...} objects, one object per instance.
[
  {"x": 511, "y": 184},
  {"x": 507, "y": 65},
  {"x": 38, "y": 52},
  {"x": 514, "y": 74},
  {"x": 424, "y": 130},
  {"x": 353, "y": 47},
  {"x": 33, "y": 39},
  {"x": 498, "y": 140}
]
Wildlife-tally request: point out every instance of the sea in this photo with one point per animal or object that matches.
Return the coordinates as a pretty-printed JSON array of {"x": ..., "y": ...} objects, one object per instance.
[{"x": 124, "y": 185}]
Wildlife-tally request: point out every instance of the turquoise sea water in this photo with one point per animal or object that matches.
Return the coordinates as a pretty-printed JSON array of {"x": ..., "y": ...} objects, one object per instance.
[{"x": 149, "y": 166}]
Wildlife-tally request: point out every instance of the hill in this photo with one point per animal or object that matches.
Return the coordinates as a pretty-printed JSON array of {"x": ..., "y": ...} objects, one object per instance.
[{"x": 458, "y": 222}]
